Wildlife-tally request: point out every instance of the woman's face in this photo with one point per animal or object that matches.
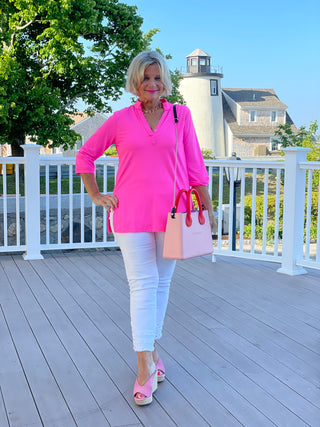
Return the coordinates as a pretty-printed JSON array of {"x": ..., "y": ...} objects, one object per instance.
[{"x": 151, "y": 88}]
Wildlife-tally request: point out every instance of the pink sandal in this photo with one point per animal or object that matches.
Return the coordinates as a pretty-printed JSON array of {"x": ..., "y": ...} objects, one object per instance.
[
  {"x": 143, "y": 393},
  {"x": 161, "y": 373}
]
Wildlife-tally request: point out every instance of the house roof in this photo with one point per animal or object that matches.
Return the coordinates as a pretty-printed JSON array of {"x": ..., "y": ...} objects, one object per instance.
[
  {"x": 254, "y": 97},
  {"x": 78, "y": 117},
  {"x": 198, "y": 52},
  {"x": 248, "y": 130}
]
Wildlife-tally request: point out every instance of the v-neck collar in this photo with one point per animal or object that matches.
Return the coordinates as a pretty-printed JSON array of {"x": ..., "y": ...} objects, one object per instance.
[{"x": 138, "y": 107}]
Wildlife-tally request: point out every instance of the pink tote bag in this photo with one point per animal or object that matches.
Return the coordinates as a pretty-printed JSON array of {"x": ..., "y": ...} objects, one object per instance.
[{"x": 188, "y": 234}]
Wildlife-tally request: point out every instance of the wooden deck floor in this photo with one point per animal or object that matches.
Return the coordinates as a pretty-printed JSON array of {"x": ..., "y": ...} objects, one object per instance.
[{"x": 241, "y": 345}]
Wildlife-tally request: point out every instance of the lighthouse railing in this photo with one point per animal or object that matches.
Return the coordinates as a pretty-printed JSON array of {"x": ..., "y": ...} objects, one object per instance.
[{"x": 212, "y": 69}]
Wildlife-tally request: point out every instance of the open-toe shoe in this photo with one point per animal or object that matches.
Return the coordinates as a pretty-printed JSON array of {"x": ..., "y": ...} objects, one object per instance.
[
  {"x": 161, "y": 373},
  {"x": 143, "y": 393}
]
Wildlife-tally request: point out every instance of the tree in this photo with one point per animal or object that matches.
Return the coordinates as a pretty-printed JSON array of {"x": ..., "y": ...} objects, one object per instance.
[
  {"x": 175, "y": 96},
  {"x": 302, "y": 138},
  {"x": 56, "y": 53}
]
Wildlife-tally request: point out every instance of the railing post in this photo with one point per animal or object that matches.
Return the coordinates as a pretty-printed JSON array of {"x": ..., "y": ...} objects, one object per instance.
[
  {"x": 32, "y": 201},
  {"x": 293, "y": 211}
]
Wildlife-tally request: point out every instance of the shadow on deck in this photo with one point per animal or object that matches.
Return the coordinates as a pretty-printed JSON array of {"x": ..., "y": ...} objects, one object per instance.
[{"x": 241, "y": 345}]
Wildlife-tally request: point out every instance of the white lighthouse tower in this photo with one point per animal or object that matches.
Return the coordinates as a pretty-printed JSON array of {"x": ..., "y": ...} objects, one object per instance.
[{"x": 201, "y": 89}]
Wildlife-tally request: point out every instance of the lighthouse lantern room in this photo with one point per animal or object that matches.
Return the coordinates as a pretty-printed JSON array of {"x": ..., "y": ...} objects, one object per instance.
[{"x": 201, "y": 89}]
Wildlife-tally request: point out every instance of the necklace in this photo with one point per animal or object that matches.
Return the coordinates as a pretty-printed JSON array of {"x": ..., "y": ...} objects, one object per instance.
[{"x": 152, "y": 110}]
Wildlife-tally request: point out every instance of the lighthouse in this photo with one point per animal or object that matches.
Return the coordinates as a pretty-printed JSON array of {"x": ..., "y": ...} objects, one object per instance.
[{"x": 201, "y": 89}]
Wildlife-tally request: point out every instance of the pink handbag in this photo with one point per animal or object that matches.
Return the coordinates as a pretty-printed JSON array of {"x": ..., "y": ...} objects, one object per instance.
[{"x": 188, "y": 234}]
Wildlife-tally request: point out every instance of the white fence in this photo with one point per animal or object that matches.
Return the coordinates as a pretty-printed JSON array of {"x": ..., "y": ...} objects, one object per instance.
[{"x": 50, "y": 210}]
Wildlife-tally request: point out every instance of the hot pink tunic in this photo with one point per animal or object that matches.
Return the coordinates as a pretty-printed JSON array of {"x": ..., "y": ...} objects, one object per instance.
[{"x": 144, "y": 182}]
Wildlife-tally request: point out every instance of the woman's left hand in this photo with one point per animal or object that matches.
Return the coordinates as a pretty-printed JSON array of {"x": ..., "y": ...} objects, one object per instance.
[
  {"x": 207, "y": 203},
  {"x": 213, "y": 222}
]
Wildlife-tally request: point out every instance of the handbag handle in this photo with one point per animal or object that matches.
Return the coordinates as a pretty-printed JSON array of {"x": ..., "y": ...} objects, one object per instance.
[
  {"x": 176, "y": 120},
  {"x": 188, "y": 192},
  {"x": 201, "y": 217}
]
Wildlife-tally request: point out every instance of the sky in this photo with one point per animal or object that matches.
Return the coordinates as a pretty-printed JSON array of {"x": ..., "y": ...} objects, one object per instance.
[{"x": 270, "y": 44}]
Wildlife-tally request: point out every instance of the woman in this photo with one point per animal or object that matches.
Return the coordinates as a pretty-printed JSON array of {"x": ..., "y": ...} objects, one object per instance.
[{"x": 144, "y": 136}]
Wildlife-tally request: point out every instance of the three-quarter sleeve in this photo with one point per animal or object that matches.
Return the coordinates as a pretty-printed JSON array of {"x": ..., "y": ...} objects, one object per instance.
[
  {"x": 145, "y": 177},
  {"x": 95, "y": 146},
  {"x": 197, "y": 171}
]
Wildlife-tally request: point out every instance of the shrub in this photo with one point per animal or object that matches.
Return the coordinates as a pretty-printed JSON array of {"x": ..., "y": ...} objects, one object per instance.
[
  {"x": 271, "y": 216},
  {"x": 111, "y": 151},
  {"x": 271, "y": 209},
  {"x": 259, "y": 232},
  {"x": 207, "y": 154},
  {"x": 313, "y": 233}
]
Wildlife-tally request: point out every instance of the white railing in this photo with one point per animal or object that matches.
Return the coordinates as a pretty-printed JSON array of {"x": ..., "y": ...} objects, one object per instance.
[
  {"x": 11, "y": 207},
  {"x": 63, "y": 217},
  {"x": 311, "y": 253},
  {"x": 250, "y": 247},
  {"x": 71, "y": 220}
]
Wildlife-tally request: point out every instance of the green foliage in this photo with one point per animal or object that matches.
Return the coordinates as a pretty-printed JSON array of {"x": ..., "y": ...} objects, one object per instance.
[
  {"x": 111, "y": 151},
  {"x": 207, "y": 154},
  {"x": 259, "y": 209},
  {"x": 314, "y": 208},
  {"x": 288, "y": 138},
  {"x": 55, "y": 53},
  {"x": 53, "y": 185},
  {"x": 259, "y": 217},
  {"x": 175, "y": 97},
  {"x": 271, "y": 216},
  {"x": 313, "y": 233},
  {"x": 302, "y": 138},
  {"x": 258, "y": 232}
]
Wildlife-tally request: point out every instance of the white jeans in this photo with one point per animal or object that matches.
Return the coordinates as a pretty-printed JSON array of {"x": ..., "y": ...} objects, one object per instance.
[{"x": 149, "y": 276}]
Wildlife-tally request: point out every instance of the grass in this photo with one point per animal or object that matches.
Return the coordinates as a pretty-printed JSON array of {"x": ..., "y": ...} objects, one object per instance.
[
  {"x": 53, "y": 185},
  {"x": 272, "y": 182}
]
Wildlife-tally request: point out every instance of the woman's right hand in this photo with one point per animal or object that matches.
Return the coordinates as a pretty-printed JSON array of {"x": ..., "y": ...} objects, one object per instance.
[{"x": 107, "y": 201}]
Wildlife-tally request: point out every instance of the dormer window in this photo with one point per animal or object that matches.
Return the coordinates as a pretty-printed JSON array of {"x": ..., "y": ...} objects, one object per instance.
[{"x": 252, "y": 116}]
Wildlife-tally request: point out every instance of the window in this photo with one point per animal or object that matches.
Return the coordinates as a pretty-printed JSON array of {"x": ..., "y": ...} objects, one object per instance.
[
  {"x": 273, "y": 116},
  {"x": 194, "y": 61},
  {"x": 213, "y": 87},
  {"x": 252, "y": 116},
  {"x": 274, "y": 145}
]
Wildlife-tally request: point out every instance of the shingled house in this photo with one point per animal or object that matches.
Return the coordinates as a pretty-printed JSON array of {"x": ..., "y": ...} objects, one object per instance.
[
  {"x": 84, "y": 125},
  {"x": 230, "y": 120},
  {"x": 251, "y": 117}
]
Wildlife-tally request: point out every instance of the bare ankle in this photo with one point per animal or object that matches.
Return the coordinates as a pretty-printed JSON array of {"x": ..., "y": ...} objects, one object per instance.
[
  {"x": 146, "y": 366},
  {"x": 155, "y": 354}
]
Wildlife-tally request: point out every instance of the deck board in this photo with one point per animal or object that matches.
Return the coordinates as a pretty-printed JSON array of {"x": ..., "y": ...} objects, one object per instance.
[
  {"x": 241, "y": 344},
  {"x": 84, "y": 275}
]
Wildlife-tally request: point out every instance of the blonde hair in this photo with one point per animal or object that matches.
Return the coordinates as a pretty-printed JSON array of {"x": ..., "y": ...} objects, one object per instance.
[{"x": 137, "y": 68}]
